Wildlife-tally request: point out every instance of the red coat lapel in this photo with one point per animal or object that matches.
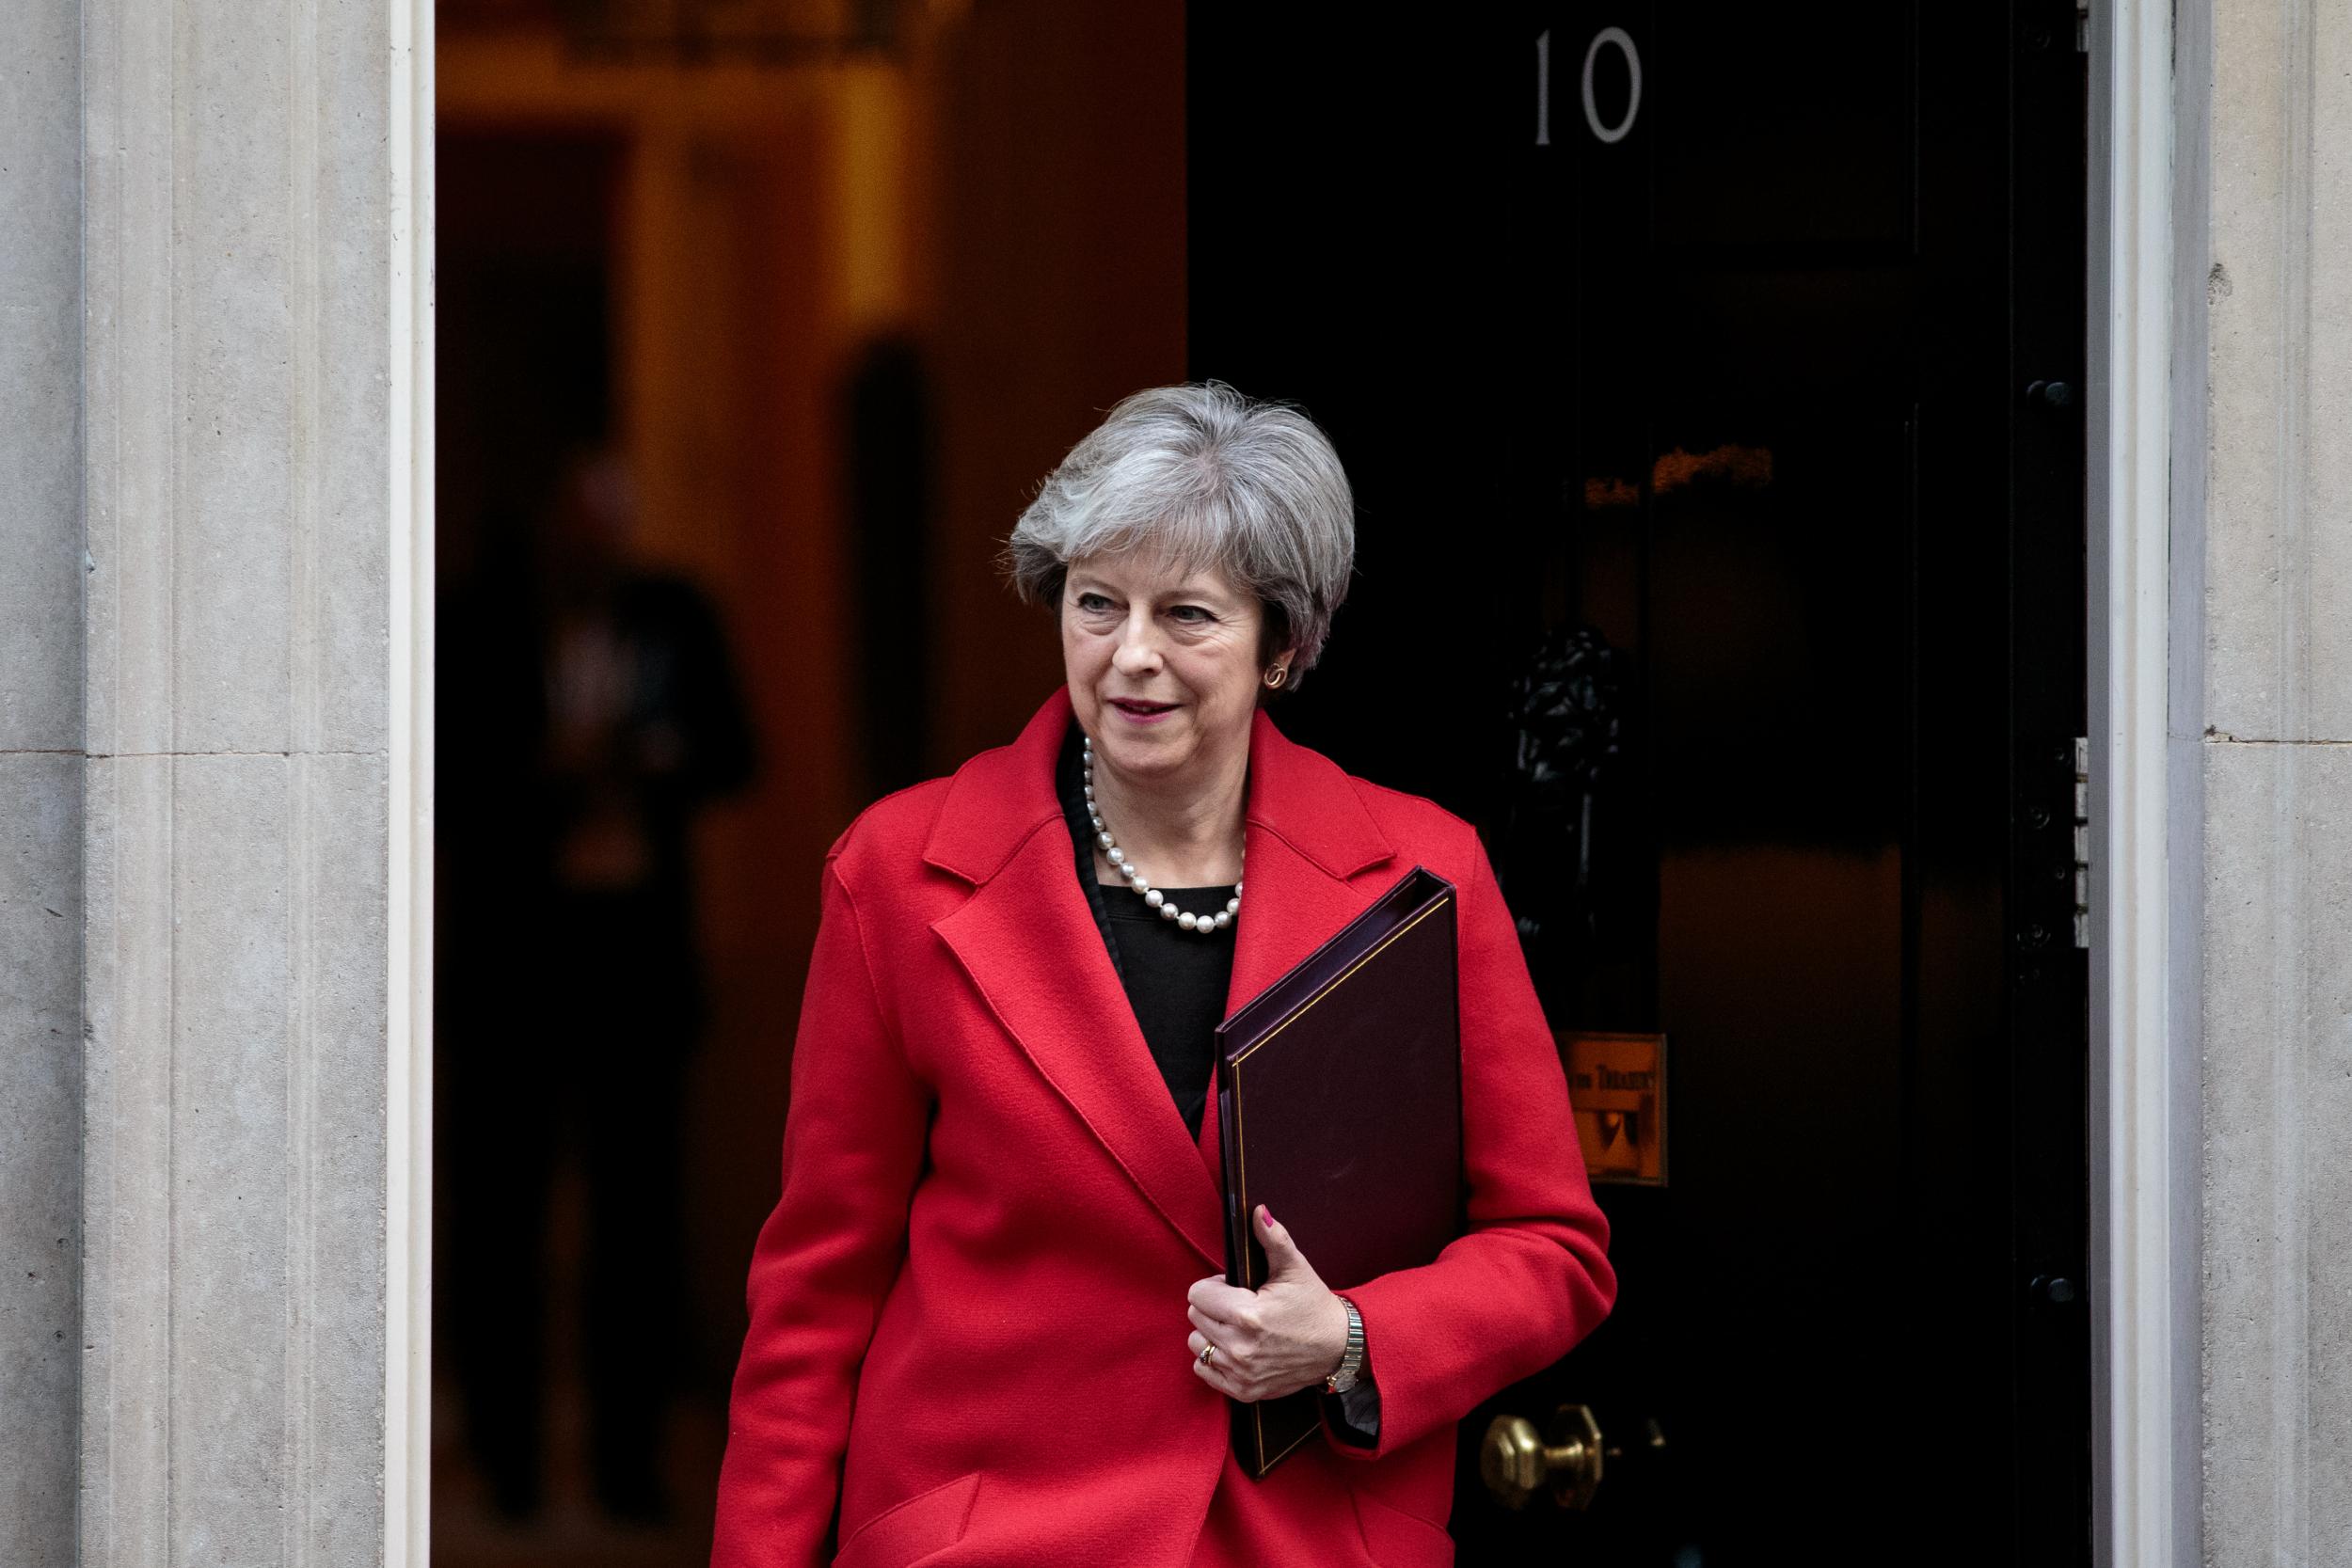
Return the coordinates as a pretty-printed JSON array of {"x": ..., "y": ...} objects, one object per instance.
[{"x": 1028, "y": 941}]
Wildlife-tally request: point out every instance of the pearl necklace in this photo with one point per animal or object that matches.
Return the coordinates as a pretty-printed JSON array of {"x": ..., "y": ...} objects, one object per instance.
[{"x": 1136, "y": 878}]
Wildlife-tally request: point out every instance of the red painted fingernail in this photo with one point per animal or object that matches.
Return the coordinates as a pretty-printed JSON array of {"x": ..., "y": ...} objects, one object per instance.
[{"x": 1267, "y": 1215}]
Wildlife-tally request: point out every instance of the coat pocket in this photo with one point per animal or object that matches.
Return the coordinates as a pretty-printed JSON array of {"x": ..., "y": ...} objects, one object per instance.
[
  {"x": 913, "y": 1529},
  {"x": 1395, "y": 1539}
]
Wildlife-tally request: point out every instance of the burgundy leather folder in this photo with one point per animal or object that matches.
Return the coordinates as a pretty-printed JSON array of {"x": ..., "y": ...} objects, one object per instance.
[{"x": 1340, "y": 1104}]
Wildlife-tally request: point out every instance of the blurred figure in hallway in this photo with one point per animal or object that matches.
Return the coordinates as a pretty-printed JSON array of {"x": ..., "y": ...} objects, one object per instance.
[{"x": 598, "y": 710}]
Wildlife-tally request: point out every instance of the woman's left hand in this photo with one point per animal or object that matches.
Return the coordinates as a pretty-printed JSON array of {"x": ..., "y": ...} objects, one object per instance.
[{"x": 1287, "y": 1335}]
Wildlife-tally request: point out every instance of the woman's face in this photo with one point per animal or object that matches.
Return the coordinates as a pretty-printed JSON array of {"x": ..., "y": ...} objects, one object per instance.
[{"x": 1163, "y": 667}]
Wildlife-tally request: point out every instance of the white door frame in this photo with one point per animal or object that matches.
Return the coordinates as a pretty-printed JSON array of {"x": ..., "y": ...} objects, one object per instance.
[
  {"x": 408, "y": 1033},
  {"x": 2144, "y": 494}
]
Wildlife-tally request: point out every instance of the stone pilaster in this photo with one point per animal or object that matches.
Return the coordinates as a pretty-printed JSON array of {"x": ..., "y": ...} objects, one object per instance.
[
  {"x": 2276, "y": 693},
  {"x": 245, "y": 736}
]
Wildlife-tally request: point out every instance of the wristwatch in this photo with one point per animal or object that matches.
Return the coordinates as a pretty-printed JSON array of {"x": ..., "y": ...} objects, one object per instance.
[{"x": 1352, "y": 1359}]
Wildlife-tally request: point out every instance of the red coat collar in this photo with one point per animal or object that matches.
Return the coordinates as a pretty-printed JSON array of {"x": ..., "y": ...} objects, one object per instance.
[{"x": 1029, "y": 942}]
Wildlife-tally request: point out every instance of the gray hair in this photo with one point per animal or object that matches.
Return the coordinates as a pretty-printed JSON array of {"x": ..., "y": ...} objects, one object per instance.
[{"x": 1209, "y": 478}]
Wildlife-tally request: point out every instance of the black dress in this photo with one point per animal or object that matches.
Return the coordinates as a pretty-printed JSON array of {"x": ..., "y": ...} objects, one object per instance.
[{"x": 1176, "y": 981}]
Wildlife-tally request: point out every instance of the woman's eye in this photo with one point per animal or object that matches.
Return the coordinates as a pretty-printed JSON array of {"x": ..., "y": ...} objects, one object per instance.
[
  {"x": 1092, "y": 601},
  {"x": 1191, "y": 611}
]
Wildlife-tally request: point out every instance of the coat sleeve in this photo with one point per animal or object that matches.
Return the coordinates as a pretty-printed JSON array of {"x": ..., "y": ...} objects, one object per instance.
[
  {"x": 1353, "y": 1418},
  {"x": 854, "y": 1135},
  {"x": 1530, "y": 1276}
]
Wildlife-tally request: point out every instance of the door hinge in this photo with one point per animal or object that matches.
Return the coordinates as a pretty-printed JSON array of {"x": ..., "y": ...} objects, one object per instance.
[{"x": 2082, "y": 841}]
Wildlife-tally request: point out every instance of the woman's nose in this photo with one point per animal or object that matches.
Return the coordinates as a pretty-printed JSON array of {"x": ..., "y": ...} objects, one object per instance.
[{"x": 1135, "y": 653}]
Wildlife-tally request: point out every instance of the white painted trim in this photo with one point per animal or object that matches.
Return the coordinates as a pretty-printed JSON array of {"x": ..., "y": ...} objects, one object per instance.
[
  {"x": 2144, "y": 1152},
  {"x": 408, "y": 1035}
]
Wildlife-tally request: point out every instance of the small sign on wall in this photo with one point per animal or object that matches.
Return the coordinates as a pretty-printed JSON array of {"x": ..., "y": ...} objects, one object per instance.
[{"x": 1617, "y": 1083}]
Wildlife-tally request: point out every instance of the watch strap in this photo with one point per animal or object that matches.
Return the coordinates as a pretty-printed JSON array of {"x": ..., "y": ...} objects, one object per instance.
[{"x": 1351, "y": 1359}]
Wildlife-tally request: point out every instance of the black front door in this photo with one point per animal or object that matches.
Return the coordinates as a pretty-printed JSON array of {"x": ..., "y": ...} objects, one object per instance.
[{"x": 1710, "y": 378}]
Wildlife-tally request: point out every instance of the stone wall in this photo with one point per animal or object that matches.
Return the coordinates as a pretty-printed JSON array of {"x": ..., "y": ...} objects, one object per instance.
[
  {"x": 201, "y": 472},
  {"x": 40, "y": 776},
  {"x": 2272, "y": 710},
  {"x": 239, "y": 526}
]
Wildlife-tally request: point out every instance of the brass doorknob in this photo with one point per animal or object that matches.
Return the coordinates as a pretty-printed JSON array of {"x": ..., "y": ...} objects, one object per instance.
[{"x": 1516, "y": 1462}]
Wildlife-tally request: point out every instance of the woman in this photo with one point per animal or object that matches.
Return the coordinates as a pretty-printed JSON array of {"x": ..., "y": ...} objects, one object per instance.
[{"x": 990, "y": 1322}]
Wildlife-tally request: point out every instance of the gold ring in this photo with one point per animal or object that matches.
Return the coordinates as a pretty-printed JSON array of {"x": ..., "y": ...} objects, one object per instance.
[{"x": 1208, "y": 1354}]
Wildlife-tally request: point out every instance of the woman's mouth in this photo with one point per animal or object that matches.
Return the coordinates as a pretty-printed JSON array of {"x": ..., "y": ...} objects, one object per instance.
[{"x": 1142, "y": 712}]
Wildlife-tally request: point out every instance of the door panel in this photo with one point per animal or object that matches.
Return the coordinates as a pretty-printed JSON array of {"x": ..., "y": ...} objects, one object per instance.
[{"x": 1712, "y": 401}]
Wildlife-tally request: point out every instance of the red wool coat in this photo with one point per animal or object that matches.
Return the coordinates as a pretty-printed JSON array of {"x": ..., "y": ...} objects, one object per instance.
[{"x": 967, "y": 1310}]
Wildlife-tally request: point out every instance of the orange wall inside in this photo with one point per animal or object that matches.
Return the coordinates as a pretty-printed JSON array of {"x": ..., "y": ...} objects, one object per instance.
[{"x": 1010, "y": 197}]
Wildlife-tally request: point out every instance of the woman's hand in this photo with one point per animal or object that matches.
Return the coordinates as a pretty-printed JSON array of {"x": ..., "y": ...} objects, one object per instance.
[{"x": 1287, "y": 1335}]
